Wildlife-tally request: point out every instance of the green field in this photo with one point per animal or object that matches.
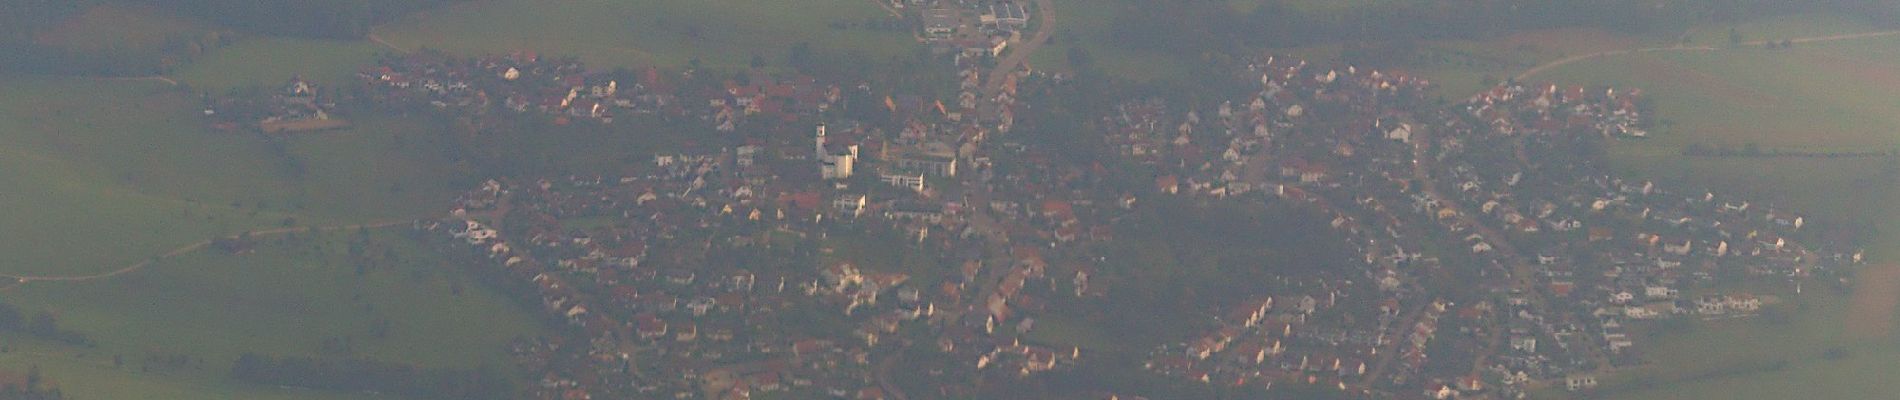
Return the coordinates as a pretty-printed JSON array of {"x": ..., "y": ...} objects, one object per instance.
[
  {"x": 105, "y": 173},
  {"x": 118, "y": 28},
  {"x": 1817, "y": 97},
  {"x": 666, "y": 33},
  {"x": 269, "y": 61},
  {"x": 288, "y": 298},
  {"x": 1781, "y": 27},
  {"x": 1085, "y": 24}
]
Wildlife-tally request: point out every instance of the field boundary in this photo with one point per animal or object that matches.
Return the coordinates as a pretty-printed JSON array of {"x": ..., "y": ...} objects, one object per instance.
[
  {"x": 19, "y": 280},
  {"x": 1572, "y": 59}
]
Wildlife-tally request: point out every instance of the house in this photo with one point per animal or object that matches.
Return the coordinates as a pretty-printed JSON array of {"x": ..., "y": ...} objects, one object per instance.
[
  {"x": 1403, "y": 133},
  {"x": 1580, "y": 382},
  {"x": 941, "y": 23},
  {"x": 943, "y": 165},
  {"x": 1527, "y": 344},
  {"x": 1010, "y": 14},
  {"x": 1711, "y": 305},
  {"x": 834, "y": 163},
  {"x": 1742, "y": 303},
  {"x": 908, "y": 181},
  {"x": 850, "y": 204}
]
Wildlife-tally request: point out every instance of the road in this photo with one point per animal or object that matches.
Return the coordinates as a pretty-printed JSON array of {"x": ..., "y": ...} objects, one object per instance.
[
  {"x": 22, "y": 279},
  {"x": 1521, "y": 271},
  {"x": 1023, "y": 49},
  {"x": 1391, "y": 351},
  {"x": 884, "y": 377}
]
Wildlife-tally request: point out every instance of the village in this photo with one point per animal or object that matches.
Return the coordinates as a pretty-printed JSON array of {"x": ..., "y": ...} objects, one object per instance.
[
  {"x": 1568, "y": 255},
  {"x": 1492, "y": 257}
]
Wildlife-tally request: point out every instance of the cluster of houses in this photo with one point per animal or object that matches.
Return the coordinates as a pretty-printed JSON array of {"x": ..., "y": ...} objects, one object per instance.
[
  {"x": 1602, "y": 252},
  {"x": 669, "y": 260},
  {"x": 567, "y": 91},
  {"x": 718, "y": 273},
  {"x": 1605, "y": 252},
  {"x": 297, "y": 106}
]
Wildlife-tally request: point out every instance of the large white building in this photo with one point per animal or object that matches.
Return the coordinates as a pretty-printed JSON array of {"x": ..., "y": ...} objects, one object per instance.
[{"x": 836, "y": 164}]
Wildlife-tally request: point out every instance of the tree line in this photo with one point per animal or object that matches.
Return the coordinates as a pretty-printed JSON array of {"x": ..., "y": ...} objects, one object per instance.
[
  {"x": 42, "y": 325},
  {"x": 359, "y": 375},
  {"x": 34, "y": 388}
]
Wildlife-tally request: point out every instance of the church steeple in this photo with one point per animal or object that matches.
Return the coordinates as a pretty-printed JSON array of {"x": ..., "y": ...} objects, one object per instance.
[{"x": 820, "y": 149}]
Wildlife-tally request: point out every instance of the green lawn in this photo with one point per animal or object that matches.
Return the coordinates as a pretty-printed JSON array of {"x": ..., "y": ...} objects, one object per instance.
[
  {"x": 667, "y": 33},
  {"x": 288, "y": 298}
]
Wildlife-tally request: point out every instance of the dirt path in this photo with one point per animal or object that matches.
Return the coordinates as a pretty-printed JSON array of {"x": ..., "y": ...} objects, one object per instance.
[
  {"x": 392, "y": 46},
  {"x": 888, "y": 9},
  {"x": 160, "y": 78},
  {"x": 1876, "y": 294},
  {"x": 19, "y": 280},
  {"x": 1571, "y": 59}
]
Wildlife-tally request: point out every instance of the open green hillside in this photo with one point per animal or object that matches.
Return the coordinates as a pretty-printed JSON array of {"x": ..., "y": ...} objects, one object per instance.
[
  {"x": 377, "y": 295},
  {"x": 610, "y": 33},
  {"x": 105, "y": 173}
]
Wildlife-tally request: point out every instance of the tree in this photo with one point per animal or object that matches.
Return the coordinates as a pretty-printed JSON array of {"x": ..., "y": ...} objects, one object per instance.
[
  {"x": 1079, "y": 58},
  {"x": 1734, "y": 36}
]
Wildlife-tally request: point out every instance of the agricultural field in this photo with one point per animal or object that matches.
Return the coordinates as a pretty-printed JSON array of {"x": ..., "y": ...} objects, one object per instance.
[
  {"x": 669, "y": 33},
  {"x": 270, "y": 61},
  {"x": 1084, "y": 24},
  {"x": 308, "y": 295},
  {"x": 118, "y": 28},
  {"x": 126, "y": 166}
]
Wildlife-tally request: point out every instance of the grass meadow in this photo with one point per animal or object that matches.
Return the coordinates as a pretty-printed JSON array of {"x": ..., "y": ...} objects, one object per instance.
[
  {"x": 667, "y": 33},
  {"x": 290, "y": 297},
  {"x": 118, "y": 28},
  {"x": 1085, "y": 24}
]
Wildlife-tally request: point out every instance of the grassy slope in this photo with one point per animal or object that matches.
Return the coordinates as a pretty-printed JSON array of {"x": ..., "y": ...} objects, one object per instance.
[
  {"x": 118, "y": 28},
  {"x": 607, "y": 33},
  {"x": 286, "y": 299},
  {"x": 127, "y": 163}
]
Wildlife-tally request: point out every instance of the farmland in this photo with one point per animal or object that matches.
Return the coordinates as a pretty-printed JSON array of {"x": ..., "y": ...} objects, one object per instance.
[
  {"x": 343, "y": 293},
  {"x": 121, "y": 171},
  {"x": 269, "y": 61},
  {"x": 126, "y": 163},
  {"x": 1085, "y": 25},
  {"x": 671, "y": 33},
  {"x": 117, "y": 28}
]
